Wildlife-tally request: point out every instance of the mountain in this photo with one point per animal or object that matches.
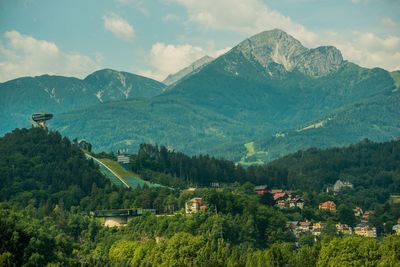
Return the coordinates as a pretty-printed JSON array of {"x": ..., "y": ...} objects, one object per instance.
[
  {"x": 115, "y": 85},
  {"x": 192, "y": 68},
  {"x": 21, "y": 97},
  {"x": 375, "y": 119},
  {"x": 268, "y": 84}
]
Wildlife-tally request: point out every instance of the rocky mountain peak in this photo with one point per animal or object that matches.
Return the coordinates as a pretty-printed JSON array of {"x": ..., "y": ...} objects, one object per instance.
[{"x": 277, "y": 49}]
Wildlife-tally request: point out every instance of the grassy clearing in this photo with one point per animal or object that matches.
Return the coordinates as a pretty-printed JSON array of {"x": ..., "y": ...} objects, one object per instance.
[
  {"x": 250, "y": 149},
  {"x": 132, "y": 179},
  {"x": 396, "y": 77},
  {"x": 395, "y": 199}
]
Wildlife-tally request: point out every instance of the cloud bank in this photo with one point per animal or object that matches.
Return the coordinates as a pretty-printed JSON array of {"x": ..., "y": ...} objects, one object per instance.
[
  {"x": 23, "y": 55},
  {"x": 119, "y": 27}
]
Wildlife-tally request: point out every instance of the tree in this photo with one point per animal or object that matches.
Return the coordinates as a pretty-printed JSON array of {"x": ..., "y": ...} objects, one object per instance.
[{"x": 346, "y": 215}]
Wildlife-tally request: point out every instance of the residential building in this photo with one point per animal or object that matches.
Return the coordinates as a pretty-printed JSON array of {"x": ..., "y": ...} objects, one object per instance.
[
  {"x": 305, "y": 226},
  {"x": 396, "y": 229},
  {"x": 344, "y": 228},
  {"x": 296, "y": 202},
  {"x": 366, "y": 215},
  {"x": 365, "y": 230},
  {"x": 339, "y": 185},
  {"x": 358, "y": 212},
  {"x": 261, "y": 189},
  {"x": 328, "y": 206},
  {"x": 193, "y": 205}
]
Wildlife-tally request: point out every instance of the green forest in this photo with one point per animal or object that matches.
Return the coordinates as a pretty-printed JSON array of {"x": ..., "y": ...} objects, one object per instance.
[{"x": 49, "y": 191}]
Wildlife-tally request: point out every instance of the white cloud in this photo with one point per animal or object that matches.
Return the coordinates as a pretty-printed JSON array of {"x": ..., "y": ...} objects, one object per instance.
[
  {"x": 388, "y": 22},
  {"x": 166, "y": 59},
  {"x": 370, "y": 50},
  {"x": 119, "y": 27},
  {"x": 171, "y": 17},
  {"x": 220, "y": 52},
  {"x": 253, "y": 16},
  {"x": 23, "y": 55},
  {"x": 246, "y": 17}
]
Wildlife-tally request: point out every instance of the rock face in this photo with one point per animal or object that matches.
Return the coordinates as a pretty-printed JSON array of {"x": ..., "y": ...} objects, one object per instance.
[
  {"x": 319, "y": 61},
  {"x": 111, "y": 85},
  {"x": 173, "y": 78},
  {"x": 276, "y": 49}
]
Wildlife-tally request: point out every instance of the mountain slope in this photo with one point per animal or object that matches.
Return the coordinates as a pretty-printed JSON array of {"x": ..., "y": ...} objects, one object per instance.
[
  {"x": 375, "y": 118},
  {"x": 265, "y": 85},
  {"x": 21, "y": 97},
  {"x": 173, "y": 78}
]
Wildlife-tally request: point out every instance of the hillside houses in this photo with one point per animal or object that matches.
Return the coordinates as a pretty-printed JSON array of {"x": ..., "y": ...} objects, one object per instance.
[
  {"x": 286, "y": 199},
  {"x": 261, "y": 189},
  {"x": 338, "y": 186},
  {"x": 328, "y": 206},
  {"x": 316, "y": 228},
  {"x": 363, "y": 229},
  {"x": 194, "y": 205}
]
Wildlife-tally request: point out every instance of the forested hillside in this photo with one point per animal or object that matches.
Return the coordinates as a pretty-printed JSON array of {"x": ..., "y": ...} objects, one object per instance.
[{"x": 48, "y": 189}]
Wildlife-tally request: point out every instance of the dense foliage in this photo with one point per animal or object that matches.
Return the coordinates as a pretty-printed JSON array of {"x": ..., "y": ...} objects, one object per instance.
[
  {"x": 44, "y": 218},
  {"x": 177, "y": 169}
]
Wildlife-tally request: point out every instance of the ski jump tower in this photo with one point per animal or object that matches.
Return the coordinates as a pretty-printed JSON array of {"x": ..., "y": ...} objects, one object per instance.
[{"x": 39, "y": 119}]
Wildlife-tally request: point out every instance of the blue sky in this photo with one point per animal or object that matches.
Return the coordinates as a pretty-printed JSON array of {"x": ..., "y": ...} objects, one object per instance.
[{"x": 158, "y": 37}]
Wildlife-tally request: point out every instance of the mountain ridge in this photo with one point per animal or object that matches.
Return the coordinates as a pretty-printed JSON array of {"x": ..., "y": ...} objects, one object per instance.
[
  {"x": 242, "y": 96},
  {"x": 20, "y": 97}
]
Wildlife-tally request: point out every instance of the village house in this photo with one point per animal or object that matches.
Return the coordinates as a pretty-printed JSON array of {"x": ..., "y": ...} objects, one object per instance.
[
  {"x": 344, "y": 228},
  {"x": 396, "y": 228},
  {"x": 280, "y": 196},
  {"x": 339, "y": 185},
  {"x": 317, "y": 228},
  {"x": 366, "y": 215},
  {"x": 365, "y": 230},
  {"x": 285, "y": 199},
  {"x": 328, "y": 206},
  {"x": 296, "y": 202},
  {"x": 194, "y": 205},
  {"x": 358, "y": 212},
  {"x": 261, "y": 189},
  {"x": 305, "y": 226}
]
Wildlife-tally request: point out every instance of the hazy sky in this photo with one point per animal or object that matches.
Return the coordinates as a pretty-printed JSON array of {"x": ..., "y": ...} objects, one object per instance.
[{"x": 157, "y": 37}]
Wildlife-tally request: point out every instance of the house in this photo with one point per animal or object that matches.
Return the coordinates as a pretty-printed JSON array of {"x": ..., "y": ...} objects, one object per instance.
[
  {"x": 339, "y": 185},
  {"x": 281, "y": 203},
  {"x": 396, "y": 229},
  {"x": 280, "y": 196},
  {"x": 292, "y": 225},
  {"x": 296, "y": 202},
  {"x": 305, "y": 226},
  {"x": 358, "y": 212},
  {"x": 365, "y": 230},
  {"x": 193, "y": 205},
  {"x": 317, "y": 228},
  {"x": 328, "y": 206},
  {"x": 366, "y": 215},
  {"x": 343, "y": 228},
  {"x": 261, "y": 189}
]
